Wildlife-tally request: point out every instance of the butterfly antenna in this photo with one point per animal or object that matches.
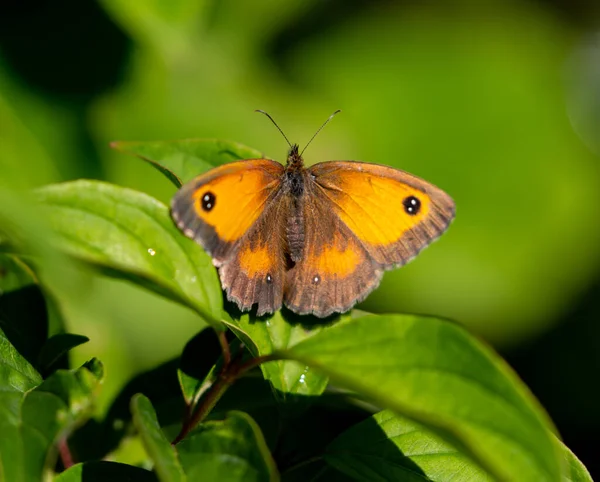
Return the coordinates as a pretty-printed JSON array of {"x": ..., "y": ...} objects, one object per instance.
[
  {"x": 319, "y": 129},
  {"x": 275, "y": 124}
]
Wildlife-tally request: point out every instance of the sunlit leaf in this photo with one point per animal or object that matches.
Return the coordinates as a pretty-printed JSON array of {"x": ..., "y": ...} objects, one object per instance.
[
  {"x": 278, "y": 332},
  {"x": 160, "y": 451},
  {"x": 439, "y": 376},
  {"x": 183, "y": 160},
  {"x": 130, "y": 235},
  {"x": 574, "y": 470},
  {"x": 389, "y": 447}
]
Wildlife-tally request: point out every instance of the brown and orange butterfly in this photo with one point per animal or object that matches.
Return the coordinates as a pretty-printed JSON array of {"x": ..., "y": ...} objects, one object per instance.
[{"x": 315, "y": 239}]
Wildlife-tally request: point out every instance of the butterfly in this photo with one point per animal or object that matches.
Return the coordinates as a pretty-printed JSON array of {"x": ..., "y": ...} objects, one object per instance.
[{"x": 316, "y": 239}]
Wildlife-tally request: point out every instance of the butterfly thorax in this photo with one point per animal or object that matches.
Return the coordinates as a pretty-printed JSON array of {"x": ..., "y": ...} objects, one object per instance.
[
  {"x": 295, "y": 184},
  {"x": 294, "y": 172}
]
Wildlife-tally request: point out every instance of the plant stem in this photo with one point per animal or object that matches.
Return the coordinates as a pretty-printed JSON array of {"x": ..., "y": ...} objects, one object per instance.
[
  {"x": 65, "y": 453},
  {"x": 229, "y": 374},
  {"x": 222, "y": 336}
]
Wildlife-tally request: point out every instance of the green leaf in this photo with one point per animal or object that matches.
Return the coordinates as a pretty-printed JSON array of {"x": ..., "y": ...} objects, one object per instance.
[
  {"x": 56, "y": 407},
  {"x": 230, "y": 450},
  {"x": 181, "y": 161},
  {"x": 16, "y": 378},
  {"x": 101, "y": 471},
  {"x": 34, "y": 415},
  {"x": 130, "y": 235},
  {"x": 304, "y": 438},
  {"x": 436, "y": 374},
  {"x": 389, "y": 447},
  {"x": 23, "y": 314},
  {"x": 157, "y": 446},
  {"x": 254, "y": 396},
  {"x": 24, "y": 232},
  {"x": 574, "y": 470},
  {"x": 56, "y": 346},
  {"x": 198, "y": 359},
  {"x": 265, "y": 336},
  {"x": 98, "y": 438}
]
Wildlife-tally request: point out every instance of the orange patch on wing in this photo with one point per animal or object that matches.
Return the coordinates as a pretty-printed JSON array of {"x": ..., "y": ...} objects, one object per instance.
[
  {"x": 257, "y": 261},
  {"x": 336, "y": 260},
  {"x": 239, "y": 199},
  {"x": 371, "y": 206}
]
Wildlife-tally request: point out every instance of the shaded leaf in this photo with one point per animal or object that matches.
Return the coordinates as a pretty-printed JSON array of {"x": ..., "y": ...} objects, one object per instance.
[
  {"x": 181, "y": 161},
  {"x": 56, "y": 407},
  {"x": 96, "y": 439},
  {"x": 157, "y": 446},
  {"x": 229, "y": 450},
  {"x": 23, "y": 314},
  {"x": 101, "y": 471},
  {"x": 56, "y": 347},
  {"x": 130, "y": 235},
  {"x": 253, "y": 395},
  {"x": 439, "y": 376},
  {"x": 197, "y": 360},
  {"x": 389, "y": 447},
  {"x": 34, "y": 414},
  {"x": 17, "y": 377},
  {"x": 304, "y": 438}
]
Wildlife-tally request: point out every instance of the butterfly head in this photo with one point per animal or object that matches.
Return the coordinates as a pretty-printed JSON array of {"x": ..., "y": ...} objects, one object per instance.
[{"x": 294, "y": 159}]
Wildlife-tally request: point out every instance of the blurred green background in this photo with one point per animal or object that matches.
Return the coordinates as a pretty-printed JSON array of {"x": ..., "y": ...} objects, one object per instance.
[{"x": 496, "y": 101}]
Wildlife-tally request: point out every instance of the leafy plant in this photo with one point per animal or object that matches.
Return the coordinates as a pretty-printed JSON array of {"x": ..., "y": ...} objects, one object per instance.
[{"x": 354, "y": 397}]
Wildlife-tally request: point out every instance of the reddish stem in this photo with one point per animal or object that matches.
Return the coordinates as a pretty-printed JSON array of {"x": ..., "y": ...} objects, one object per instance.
[
  {"x": 229, "y": 374},
  {"x": 65, "y": 453},
  {"x": 222, "y": 336}
]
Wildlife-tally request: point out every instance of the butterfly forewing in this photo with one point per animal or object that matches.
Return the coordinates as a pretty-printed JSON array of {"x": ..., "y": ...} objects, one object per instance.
[
  {"x": 218, "y": 209},
  {"x": 393, "y": 213}
]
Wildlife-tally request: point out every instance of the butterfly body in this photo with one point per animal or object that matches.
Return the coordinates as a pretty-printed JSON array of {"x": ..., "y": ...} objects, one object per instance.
[{"x": 316, "y": 239}]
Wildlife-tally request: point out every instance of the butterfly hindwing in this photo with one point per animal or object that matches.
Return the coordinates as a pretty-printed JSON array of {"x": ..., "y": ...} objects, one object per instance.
[
  {"x": 255, "y": 273},
  {"x": 334, "y": 271},
  {"x": 393, "y": 213}
]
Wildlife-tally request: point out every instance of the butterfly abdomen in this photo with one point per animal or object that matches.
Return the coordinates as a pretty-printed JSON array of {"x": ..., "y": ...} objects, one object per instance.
[{"x": 295, "y": 233}]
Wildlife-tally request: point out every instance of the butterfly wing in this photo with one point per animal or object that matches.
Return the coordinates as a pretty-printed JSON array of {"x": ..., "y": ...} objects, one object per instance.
[
  {"x": 218, "y": 208},
  {"x": 334, "y": 270},
  {"x": 393, "y": 214},
  {"x": 255, "y": 274},
  {"x": 237, "y": 213}
]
